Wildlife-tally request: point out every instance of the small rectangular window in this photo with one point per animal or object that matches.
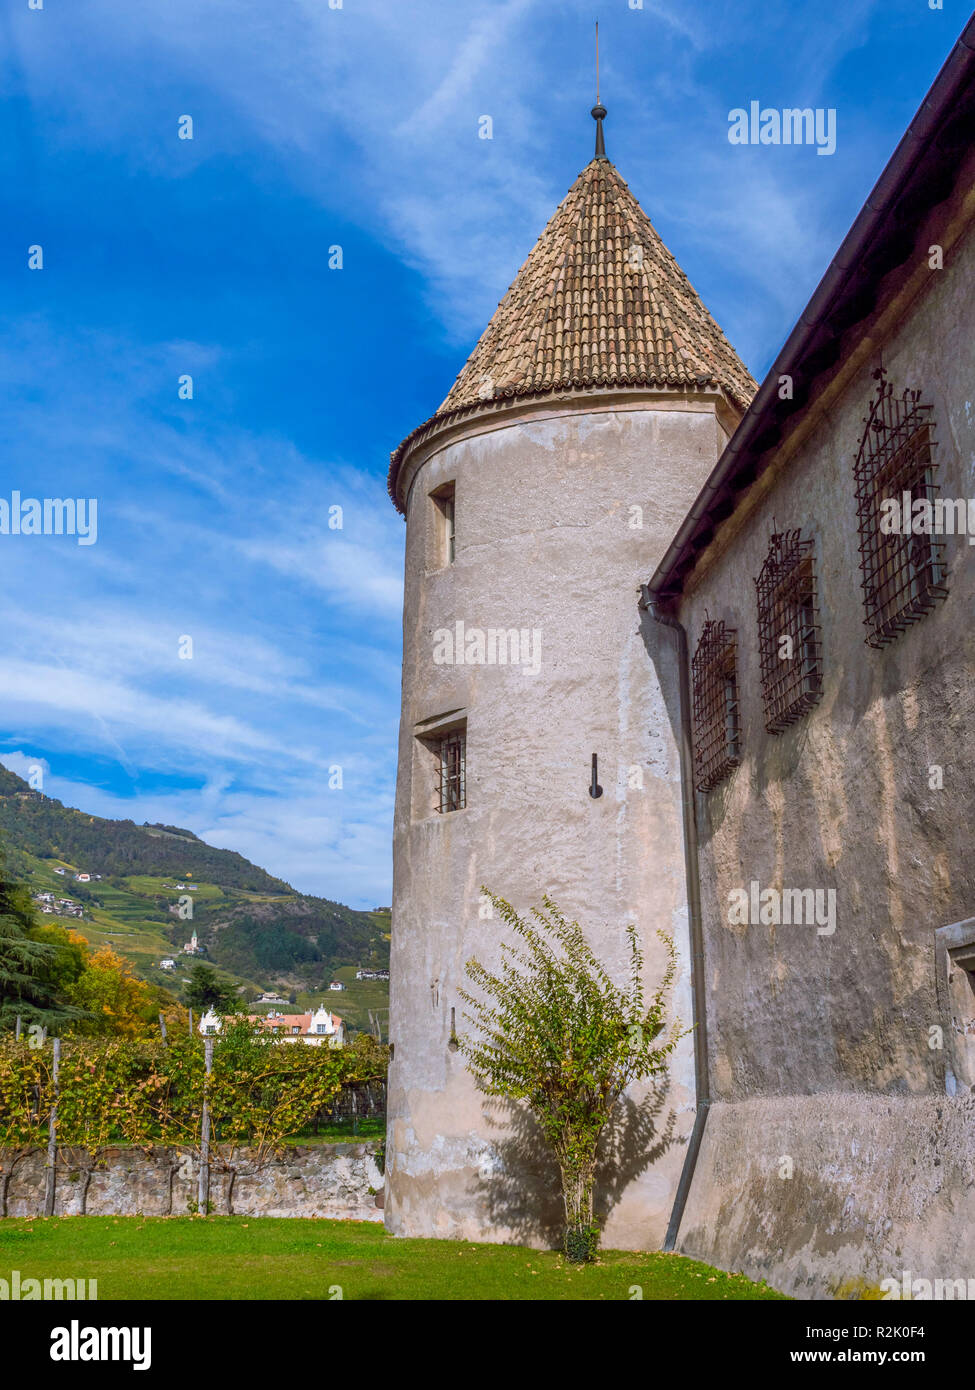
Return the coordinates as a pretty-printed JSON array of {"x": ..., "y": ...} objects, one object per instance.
[
  {"x": 453, "y": 771},
  {"x": 439, "y": 777},
  {"x": 443, "y": 502}
]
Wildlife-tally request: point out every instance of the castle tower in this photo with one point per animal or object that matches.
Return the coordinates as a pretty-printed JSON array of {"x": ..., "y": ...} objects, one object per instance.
[{"x": 537, "y": 498}]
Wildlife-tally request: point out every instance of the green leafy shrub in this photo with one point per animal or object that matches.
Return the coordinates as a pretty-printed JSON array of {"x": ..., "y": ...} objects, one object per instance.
[{"x": 556, "y": 1033}]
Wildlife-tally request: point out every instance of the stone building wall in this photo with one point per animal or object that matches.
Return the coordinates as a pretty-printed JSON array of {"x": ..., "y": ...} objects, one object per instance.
[
  {"x": 821, "y": 1045},
  {"x": 342, "y": 1181}
]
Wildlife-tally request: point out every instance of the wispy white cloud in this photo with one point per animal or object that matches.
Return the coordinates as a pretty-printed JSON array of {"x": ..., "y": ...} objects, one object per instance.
[
  {"x": 369, "y": 113},
  {"x": 221, "y": 537}
]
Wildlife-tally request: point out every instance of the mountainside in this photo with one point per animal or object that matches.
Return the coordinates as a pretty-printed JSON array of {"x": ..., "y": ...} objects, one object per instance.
[
  {"x": 44, "y": 828},
  {"x": 151, "y": 886}
]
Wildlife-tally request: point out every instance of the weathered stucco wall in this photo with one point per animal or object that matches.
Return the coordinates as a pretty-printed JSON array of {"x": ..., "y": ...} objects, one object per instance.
[
  {"x": 544, "y": 541},
  {"x": 843, "y": 800},
  {"x": 332, "y": 1180},
  {"x": 878, "y": 1186}
]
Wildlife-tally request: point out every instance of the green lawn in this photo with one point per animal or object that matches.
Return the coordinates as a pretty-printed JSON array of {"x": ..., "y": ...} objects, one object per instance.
[
  {"x": 369, "y": 1130},
  {"x": 240, "y": 1257}
]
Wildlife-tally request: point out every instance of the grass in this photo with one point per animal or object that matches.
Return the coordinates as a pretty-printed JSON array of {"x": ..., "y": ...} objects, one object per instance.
[
  {"x": 370, "y": 1130},
  {"x": 240, "y": 1257}
]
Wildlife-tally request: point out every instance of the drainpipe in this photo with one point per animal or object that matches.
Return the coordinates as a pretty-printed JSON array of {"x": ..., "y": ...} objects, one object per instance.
[{"x": 652, "y": 603}]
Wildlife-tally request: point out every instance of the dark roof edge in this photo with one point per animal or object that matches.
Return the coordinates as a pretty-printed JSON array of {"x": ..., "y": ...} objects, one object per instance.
[{"x": 843, "y": 283}]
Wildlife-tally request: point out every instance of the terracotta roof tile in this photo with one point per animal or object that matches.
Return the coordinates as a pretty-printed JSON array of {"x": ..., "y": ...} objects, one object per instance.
[
  {"x": 600, "y": 301},
  {"x": 287, "y": 1022}
]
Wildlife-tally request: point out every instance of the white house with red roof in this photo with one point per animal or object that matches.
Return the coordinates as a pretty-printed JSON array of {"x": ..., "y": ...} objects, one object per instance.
[{"x": 318, "y": 1028}]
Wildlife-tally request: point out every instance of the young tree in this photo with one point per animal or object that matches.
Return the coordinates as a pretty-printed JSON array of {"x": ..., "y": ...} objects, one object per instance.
[
  {"x": 69, "y": 961},
  {"x": 206, "y": 991},
  {"x": 559, "y": 1035}
]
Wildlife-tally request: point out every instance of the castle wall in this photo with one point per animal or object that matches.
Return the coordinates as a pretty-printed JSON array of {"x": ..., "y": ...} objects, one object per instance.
[
  {"x": 822, "y": 1049},
  {"x": 544, "y": 542}
]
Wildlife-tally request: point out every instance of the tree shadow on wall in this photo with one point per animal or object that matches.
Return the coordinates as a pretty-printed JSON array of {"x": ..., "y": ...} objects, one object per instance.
[{"x": 523, "y": 1193}]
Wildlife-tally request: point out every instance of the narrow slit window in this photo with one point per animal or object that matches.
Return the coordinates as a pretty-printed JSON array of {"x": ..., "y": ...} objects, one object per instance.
[
  {"x": 444, "y": 508},
  {"x": 448, "y": 523},
  {"x": 904, "y": 574},
  {"x": 789, "y": 639},
  {"x": 717, "y": 733}
]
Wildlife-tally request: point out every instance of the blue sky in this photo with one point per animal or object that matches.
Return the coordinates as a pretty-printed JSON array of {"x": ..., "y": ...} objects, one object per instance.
[{"x": 315, "y": 127}]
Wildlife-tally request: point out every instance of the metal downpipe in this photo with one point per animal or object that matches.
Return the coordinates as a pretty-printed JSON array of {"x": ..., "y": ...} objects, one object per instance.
[{"x": 651, "y": 602}]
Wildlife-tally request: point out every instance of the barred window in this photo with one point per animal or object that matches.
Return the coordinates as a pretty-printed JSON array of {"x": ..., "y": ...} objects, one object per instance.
[
  {"x": 789, "y": 641},
  {"x": 717, "y": 732},
  {"x": 453, "y": 771},
  {"x": 903, "y": 574}
]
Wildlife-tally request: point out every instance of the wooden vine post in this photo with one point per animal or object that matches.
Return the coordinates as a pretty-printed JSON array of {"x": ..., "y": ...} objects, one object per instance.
[
  {"x": 203, "y": 1191},
  {"x": 52, "y": 1136}
]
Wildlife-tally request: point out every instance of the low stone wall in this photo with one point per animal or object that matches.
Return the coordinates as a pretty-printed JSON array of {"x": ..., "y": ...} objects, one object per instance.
[
  {"x": 880, "y": 1185},
  {"x": 332, "y": 1180}
]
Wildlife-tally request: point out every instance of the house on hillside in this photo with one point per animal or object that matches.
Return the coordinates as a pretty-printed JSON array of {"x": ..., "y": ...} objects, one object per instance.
[{"x": 317, "y": 1029}]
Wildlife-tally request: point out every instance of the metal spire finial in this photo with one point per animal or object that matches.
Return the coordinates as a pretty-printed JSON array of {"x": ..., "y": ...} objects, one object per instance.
[{"x": 598, "y": 111}]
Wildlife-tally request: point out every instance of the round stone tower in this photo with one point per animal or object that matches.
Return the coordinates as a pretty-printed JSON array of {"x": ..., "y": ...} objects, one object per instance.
[{"x": 537, "y": 746}]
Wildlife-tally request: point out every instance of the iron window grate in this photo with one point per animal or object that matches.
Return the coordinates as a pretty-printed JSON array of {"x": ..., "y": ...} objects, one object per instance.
[
  {"x": 717, "y": 734},
  {"x": 903, "y": 575},
  {"x": 789, "y": 639},
  {"x": 452, "y": 791}
]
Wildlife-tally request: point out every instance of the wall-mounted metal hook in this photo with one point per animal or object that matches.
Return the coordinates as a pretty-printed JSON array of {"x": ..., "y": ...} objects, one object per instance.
[{"x": 594, "y": 788}]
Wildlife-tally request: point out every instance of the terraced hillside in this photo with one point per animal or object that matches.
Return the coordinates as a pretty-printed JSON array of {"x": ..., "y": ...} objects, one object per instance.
[{"x": 152, "y": 886}]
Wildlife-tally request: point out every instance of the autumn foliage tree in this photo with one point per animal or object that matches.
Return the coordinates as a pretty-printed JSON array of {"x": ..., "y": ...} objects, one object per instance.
[{"x": 114, "y": 1002}]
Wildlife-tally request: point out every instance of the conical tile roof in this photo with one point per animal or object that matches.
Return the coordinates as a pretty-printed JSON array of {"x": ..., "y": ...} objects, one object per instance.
[{"x": 599, "y": 302}]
